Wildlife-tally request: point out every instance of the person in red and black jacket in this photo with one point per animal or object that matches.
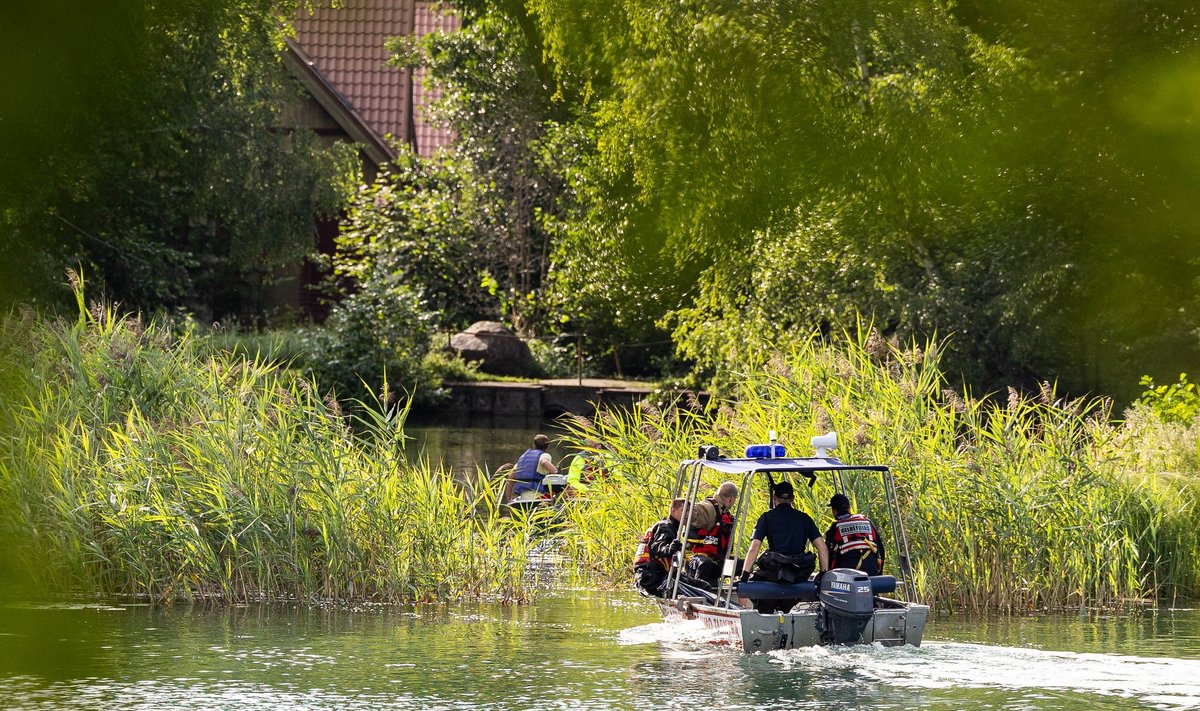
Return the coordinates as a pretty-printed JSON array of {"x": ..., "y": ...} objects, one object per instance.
[
  {"x": 853, "y": 540},
  {"x": 654, "y": 551}
]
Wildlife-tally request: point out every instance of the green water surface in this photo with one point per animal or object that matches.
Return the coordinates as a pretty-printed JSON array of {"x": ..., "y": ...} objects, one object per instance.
[{"x": 572, "y": 650}]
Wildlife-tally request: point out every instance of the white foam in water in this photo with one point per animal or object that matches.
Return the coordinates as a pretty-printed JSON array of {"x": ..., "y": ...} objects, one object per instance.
[
  {"x": 937, "y": 665},
  {"x": 675, "y": 632}
]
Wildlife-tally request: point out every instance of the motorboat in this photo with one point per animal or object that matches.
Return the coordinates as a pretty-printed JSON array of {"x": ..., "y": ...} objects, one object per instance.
[
  {"x": 553, "y": 486},
  {"x": 846, "y": 607}
]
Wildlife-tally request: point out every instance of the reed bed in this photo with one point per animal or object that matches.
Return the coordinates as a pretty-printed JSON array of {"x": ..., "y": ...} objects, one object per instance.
[
  {"x": 132, "y": 464},
  {"x": 1013, "y": 503}
]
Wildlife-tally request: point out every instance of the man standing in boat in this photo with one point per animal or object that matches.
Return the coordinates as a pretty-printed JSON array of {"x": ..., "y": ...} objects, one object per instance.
[
  {"x": 653, "y": 557},
  {"x": 853, "y": 540},
  {"x": 788, "y": 532},
  {"x": 534, "y": 464}
]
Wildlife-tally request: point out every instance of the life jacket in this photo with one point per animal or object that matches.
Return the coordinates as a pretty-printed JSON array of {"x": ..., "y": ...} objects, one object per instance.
[
  {"x": 705, "y": 541},
  {"x": 714, "y": 541},
  {"x": 642, "y": 556},
  {"x": 724, "y": 527},
  {"x": 854, "y": 536},
  {"x": 526, "y": 468}
]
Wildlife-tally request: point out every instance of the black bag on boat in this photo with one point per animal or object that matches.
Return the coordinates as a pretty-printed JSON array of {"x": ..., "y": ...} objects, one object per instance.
[{"x": 776, "y": 567}]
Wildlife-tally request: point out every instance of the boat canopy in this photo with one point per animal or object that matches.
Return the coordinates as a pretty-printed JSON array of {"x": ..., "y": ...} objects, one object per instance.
[{"x": 783, "y": 465}]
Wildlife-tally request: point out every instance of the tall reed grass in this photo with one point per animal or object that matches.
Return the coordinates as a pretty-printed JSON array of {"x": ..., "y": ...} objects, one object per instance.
[
  {"x": 1012, "y": 503},
  {"x": 132, "y": 464}
]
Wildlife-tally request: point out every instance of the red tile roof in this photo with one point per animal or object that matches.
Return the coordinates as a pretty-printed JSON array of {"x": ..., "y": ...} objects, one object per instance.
[
  {"x": 431, "y": 136},
  {"x": 345, "y": 47}
]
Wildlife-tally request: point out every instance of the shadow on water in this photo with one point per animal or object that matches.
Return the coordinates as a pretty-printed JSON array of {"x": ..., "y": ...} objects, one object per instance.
[{"x": 576, "y": 650}]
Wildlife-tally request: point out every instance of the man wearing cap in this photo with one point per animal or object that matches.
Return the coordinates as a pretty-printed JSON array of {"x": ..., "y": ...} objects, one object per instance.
[
  {"x": 853, "y": 540},
  {"x": 787, "y": 532}
]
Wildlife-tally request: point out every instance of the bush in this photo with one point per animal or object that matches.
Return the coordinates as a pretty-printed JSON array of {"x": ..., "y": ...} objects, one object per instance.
[
  {"x": 379, "y": 334},
  {"x": 1177, "y": 402}
]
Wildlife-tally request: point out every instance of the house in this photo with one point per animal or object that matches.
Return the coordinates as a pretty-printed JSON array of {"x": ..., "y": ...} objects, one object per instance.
[{"x": 353, "y": 94}]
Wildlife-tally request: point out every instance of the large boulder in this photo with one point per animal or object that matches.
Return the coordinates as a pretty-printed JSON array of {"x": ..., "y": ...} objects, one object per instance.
[{"x": 497, "y": 349}]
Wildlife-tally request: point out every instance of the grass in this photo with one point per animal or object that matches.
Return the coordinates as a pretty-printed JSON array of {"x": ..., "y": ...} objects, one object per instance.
[
  {"x": 1013, "y": 503},
  {"x": 134, "y": 463}
]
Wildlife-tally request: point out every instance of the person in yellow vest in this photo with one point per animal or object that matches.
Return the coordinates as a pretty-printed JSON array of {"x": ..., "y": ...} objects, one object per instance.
[{"x": 578, "y": 473}]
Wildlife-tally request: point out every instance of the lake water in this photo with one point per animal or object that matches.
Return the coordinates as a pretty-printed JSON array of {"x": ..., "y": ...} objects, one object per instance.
[
  {"x": 572, "y": 650},
  {"x": 464, "y": 445}
]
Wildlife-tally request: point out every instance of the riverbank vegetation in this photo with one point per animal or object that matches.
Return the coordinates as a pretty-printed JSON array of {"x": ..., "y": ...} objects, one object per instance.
[
  {"x": 131, "y": 464},
  {"x": 1012, "y": 502},
  {"x": 659, "y": 177},
  {"x": 134, "y": 462}
]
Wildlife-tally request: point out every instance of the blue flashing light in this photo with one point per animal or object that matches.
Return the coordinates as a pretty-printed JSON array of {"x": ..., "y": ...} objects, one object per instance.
[{"x": 763, "y": 451}]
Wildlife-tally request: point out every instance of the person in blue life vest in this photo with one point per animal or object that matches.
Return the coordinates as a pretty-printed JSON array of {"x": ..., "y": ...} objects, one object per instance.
[
  {"x": 853, "y": 540},
  {"x": 534, "y": 464},
  {"x": 787, "y": 531},
  {"x": 654, "y": 551}
]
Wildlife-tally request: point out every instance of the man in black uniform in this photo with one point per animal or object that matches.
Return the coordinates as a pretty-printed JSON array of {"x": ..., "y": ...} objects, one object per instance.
[{"x": 787, "y": 532}]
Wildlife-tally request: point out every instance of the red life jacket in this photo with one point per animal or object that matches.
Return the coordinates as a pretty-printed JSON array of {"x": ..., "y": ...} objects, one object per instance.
[
  {"x": 712, "y": 542},
  {"x": 705, "y": 541},
  {"x": 852, "y": 534}
]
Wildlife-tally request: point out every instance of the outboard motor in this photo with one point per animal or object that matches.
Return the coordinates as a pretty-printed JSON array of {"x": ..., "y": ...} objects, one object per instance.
[{"x": 847, "y": 603}]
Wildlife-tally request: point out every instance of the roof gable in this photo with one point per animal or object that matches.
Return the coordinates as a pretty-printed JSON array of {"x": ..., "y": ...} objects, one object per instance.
[{"x": 341, "y": 49}]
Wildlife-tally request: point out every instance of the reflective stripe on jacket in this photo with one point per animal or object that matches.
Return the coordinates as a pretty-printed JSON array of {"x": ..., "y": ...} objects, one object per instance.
[{"x": 854, "y": 533}]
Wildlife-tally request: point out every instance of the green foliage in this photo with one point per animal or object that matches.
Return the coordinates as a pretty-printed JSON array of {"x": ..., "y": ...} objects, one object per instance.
[
  {"x": 373, "y": 344},
  {"x": 278, "y": 346},
  {"x": 164, "y": 161},
  {"x": 1013, "y": 504},
  {"x": 1177, "y": 402},
  {"x": 976, "y": 169},
  {"x": 509, "y": 182},
  {"x": 139, "y": 466},
  {"x": 413, "y": 227},
  {"x": 443, "y": 366}
]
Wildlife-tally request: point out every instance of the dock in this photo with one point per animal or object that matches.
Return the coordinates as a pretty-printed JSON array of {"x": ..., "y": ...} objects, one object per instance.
[{"x": 544, "y": 399}]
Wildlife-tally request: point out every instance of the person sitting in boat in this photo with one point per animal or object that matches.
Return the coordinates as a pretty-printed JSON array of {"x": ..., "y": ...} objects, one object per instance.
[
  {"x": 703, "y": 549},
  {"x": 788, "y": 532},
  {"x": 534, "y": 464},
  {"x": 853, "y": 540},
  {"x": 723, "y": 501},
  {"x": 580, "y": 472},
  {"x": 654, "y": 551}
]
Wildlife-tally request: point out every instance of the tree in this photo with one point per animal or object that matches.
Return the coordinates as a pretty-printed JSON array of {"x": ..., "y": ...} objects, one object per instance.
[
  {"x": 149, "y": 146},
  {"x": 505, "y": 117},
  {"x": 989, "y": 171}
]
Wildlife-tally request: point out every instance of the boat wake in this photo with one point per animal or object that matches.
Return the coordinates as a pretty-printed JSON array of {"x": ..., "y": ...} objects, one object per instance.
[
  {"x": 677, "y": 632},
  {"x": 1158, "y": 681}
]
